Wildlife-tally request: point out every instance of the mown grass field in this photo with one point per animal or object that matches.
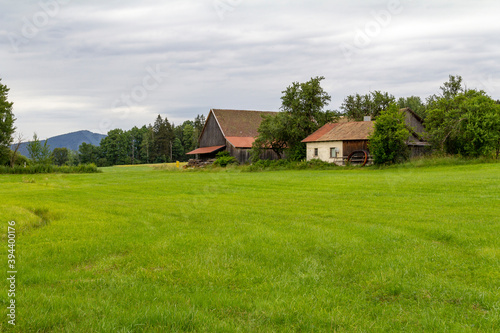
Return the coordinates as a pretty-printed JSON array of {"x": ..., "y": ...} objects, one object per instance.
[{"x": 136, "y": 249}]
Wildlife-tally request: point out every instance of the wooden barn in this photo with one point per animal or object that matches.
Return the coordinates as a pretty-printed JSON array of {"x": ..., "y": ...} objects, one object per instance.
[
  {"x": 334, "y": 142},
  {"x": 233, "y": 131}
]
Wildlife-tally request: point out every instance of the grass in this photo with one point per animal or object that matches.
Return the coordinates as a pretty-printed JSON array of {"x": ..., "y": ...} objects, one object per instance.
[
  {"x": 137, "y": 249},
  {"x": 50, "y": 168}
]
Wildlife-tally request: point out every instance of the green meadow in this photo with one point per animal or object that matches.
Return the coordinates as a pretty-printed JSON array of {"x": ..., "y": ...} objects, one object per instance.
[{"x": 137, "y": 249}]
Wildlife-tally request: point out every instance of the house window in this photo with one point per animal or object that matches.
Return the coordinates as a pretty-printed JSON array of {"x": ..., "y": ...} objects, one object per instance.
[
  {"x": 333, "y": 152},
  {"x": 315, "y": 151}
]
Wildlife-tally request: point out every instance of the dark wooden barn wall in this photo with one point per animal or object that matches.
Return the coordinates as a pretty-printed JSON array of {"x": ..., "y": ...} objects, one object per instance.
[
  {"x": 212, "y": 135},
  {"x": 417, "y": 151},
  {"x": 414, "y": 123},
  {"x": 350, "y": 146},
  {"x": 243, "y": 154}
]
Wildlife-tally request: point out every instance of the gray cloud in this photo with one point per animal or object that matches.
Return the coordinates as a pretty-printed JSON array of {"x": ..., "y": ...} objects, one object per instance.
[{"x": 73, "y": 69}]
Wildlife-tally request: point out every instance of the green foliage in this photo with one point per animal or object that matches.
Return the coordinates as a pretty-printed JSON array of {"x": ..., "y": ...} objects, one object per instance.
[
  {"x": 224, "y": 159},
  {"x": 148, "y": 144},
  {"x": 19, "y": 159},
  {"x": 60, "y": 156},
  {"x": 49, "y": 168},
  {"x": 39, "y": 153},
  {"x": 274, "y": 165},
  {"x": 135, "y": 135},
  {"x": 88, "y": 153},
  {"x": 465, "y": 122},
  {"x": 388, "y": 141},
  {"x": 163, "y": 140},
  {"x": 116, "y": 147},
  {"x": 188, "y": 137},
  {"x": 302, "y": 114},
  {"x": 304, "y": 104},
  {"x": 72, "y": 158},
  {"x": 4, "y": 155},
  {"x": 415, "y": 103},
  {"x": 6, "y": 124},
  {"x": 356, "y": 107},
  {"x": 444, "y": 161},
  {"x": 177, "y": 150},
  {"x": 273, "y": 134}
]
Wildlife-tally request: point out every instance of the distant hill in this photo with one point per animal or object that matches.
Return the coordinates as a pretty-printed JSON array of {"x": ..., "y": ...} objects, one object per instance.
[{"x": 71, "y": 141}]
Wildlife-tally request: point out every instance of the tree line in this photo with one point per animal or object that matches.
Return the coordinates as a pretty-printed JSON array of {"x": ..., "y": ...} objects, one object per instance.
[{"x": 158, "y": 143}]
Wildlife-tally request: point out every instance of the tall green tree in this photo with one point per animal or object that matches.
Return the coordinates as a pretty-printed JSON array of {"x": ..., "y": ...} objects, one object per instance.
[
  {"x": 356, "y": 107},
  {"x": 39, "y": 153},
  {"x": 60, "y": 156},
  {"x": 177, "y": 150},
  {"x": 147, "y": 144},
  {"x": 6, "y": 124},
  {"x": 304, "y": 104},
  {"x": 199, "y": 123},
  {"x": 188, "y": 140},
  {"x": 116, "y": 147},
  {"x": 136, "y": 136},
  {"x": 388, "y": 141},
  {"x": 88, "y": 153},
  {"x": 163, "y": 139},
  {"x": 449, "y": 90}
]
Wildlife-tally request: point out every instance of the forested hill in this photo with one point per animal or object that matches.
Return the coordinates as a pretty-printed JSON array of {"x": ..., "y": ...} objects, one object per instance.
[{"x": 71, "y": 141}]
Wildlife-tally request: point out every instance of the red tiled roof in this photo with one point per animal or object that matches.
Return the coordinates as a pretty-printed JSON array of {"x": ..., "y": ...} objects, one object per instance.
[
  {"x": 205, "y": 150},
  {"x": 320, "y": 132},
  {"x": 241, "y": 142},
  {"x": 355, "y": 130}
]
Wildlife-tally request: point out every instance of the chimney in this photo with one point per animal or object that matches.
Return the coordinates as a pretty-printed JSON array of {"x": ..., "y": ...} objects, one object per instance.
[{"x": 367, "y": 118}]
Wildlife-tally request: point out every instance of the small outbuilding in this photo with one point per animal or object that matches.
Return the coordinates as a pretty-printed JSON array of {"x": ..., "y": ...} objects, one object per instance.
[
  {"x": 334, "y": 142},
  {"x": 233, "y": 131}
]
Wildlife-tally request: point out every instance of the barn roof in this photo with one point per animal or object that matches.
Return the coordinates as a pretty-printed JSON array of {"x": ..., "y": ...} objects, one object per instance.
[
  {"x": 240, "y": 123},
  {"x": 355, "y": 130},
  {"x": 240, "y": 127}
]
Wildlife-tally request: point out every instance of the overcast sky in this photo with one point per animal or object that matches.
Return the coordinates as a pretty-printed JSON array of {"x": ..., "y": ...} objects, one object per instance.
[{"x": 97, "y": 65}]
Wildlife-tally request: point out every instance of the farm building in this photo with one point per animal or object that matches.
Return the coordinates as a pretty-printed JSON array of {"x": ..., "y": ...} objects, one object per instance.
[
  {"x": 233, "y": 131},
  {"x": 334, "y": 142}
]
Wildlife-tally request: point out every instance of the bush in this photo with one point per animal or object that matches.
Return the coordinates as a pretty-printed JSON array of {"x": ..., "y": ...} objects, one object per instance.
[
  {"x": 224, "y": 159},
  {"x": 42, "y": 168},
  {"x": 388, "y": 141},
  {"x": 283, "y": 164}
]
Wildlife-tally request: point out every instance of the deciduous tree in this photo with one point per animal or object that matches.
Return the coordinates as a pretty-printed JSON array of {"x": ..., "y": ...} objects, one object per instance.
[
  {"x": 356, "y": 107},
  {"x": 39, "y": 153},
  {"x": 273, "y": 134},
  {"x": 60, "y": 156},
  {"x": 304, "y": 104},
  {"x": 467, "y": 123},
  {"x": 6, "y": 124},
  {"x": 388, "y": 141}
]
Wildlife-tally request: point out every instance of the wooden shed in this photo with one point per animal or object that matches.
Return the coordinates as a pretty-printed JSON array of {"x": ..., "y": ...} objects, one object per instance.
[{"x": 233, "y": 131}]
